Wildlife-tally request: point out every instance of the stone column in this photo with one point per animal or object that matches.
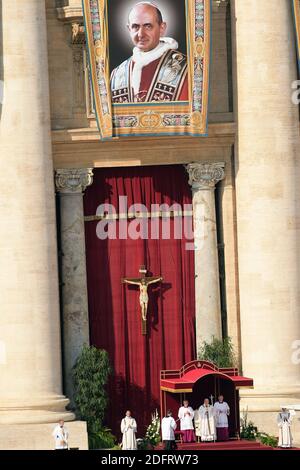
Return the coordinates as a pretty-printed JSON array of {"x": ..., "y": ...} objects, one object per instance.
[
  {"x": 30, "y": 349},
  {"x": 70, "y": 185},
  {"x": 268, "y": 206},
  {"x": 203, "y": 178}
]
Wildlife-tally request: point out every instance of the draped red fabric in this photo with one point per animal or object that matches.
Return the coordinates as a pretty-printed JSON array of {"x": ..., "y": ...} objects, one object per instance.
[{"x": 114, "y": 310}]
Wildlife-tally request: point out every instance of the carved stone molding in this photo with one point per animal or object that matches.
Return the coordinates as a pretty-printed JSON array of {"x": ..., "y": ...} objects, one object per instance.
[
  {"x": 78, "y": 78},
  {"x": 219, "y": 8},
  {"x": 205, "y": 175},
  {"x": 220, "y": 2},
  {"x": 69, "y": 13},
  {"x": 73, "y": 180}
]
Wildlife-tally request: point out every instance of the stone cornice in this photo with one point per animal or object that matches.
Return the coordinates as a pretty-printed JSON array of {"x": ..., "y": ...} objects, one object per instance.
[
  {"x": 70, "y": 13},
  {"x": 82, "y": 148},
  {"x": 70, "y": 181},
  {"x": 205, "y": 176},
  {"x": 90, "y": 134}
]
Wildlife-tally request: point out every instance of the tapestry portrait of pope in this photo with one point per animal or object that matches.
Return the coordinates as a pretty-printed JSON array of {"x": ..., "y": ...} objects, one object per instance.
[{"x": 157, "y": 70}]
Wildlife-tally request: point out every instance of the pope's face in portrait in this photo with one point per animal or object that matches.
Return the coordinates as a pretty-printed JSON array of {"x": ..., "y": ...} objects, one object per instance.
[{"x": 145, "y": 27}]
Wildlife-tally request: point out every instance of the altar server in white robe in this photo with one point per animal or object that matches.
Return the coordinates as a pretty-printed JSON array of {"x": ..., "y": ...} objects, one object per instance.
[
  {"x": 207, "y": 422},
  {"x": 128, "y": 429},
  {"x": 61, "y": 436},
  {"x": 186, "y": 415},
  {"x": 284, "y": 421},
  {"x": 168, "y": 426},
  {"x": 222, "y": 412}
]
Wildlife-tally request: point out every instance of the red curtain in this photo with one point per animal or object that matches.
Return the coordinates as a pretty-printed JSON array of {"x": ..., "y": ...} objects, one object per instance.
[{"x": 114, "y": 310}]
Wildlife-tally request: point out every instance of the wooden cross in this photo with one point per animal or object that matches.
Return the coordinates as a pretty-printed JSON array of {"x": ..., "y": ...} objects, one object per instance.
[{"x": 143, "y": 283}]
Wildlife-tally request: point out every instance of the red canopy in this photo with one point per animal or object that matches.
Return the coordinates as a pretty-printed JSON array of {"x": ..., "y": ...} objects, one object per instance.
[{"x": 183, "y": 380}]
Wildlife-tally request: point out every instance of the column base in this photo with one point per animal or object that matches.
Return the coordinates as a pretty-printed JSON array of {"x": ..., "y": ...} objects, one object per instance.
[
  {"x": 39, "y": 436},
  {"x": 263, "y": 406},
  {"x": 35, "y": 411}
]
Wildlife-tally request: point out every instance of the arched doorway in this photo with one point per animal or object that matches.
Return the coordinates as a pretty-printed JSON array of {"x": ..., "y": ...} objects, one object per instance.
[
  {"x": 211, "y": 386},
  {"x": 201, "y": 379}
]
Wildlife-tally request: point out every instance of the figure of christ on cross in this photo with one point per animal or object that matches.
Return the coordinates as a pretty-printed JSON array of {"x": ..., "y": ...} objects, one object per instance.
[{"x": 143, "y": 282}]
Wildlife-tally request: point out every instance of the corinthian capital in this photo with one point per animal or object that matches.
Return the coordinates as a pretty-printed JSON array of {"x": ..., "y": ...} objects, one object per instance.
[
  {"x": 73, "y": 180},
  {"x": 205, "y": 175}
]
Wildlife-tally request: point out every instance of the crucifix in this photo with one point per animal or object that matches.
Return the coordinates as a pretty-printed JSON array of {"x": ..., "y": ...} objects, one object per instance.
[
  {"x": 143, "y": 282},
  {"x": 212, "y": 399}
]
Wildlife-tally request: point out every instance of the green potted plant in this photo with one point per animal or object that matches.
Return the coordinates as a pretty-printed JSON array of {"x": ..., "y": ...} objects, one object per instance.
[
  {"x": 219, "y": 351},
  {"x": 90, "y": 376}
]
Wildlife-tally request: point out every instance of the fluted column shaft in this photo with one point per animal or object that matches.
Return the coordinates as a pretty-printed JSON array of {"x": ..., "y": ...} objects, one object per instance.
[
  {"x": 203, "y": 178},
  {"x": 70, "y": 185},
  {"x": 30, "y": 349},
  {"x": 268, "y": 202}
]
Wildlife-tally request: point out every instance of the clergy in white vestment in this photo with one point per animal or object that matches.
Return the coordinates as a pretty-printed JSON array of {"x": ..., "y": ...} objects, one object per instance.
[
  {"x": 186, "y": 415},
  {"x": 284, "y": 421},
  {"x": 61, "y": 436},
  {"x": 207, "y": 422},
  {"x": 168, "y": 426},
  {"x": 222, "y": 412},
  {"x": 128, "y": 429}
]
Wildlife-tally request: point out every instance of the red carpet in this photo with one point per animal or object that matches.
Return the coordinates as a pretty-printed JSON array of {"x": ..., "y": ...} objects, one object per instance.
[{"x": 229, "y": 445}]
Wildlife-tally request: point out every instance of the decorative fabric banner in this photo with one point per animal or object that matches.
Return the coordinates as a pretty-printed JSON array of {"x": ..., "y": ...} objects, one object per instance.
[
  {"x": 143, "y": 81},
  {"x": 296, "y": 8},
  {"x": 94, "y": 15}
]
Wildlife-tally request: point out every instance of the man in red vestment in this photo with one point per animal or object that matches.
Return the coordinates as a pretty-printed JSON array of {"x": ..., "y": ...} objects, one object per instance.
[{"x": 157, "y": 71}]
